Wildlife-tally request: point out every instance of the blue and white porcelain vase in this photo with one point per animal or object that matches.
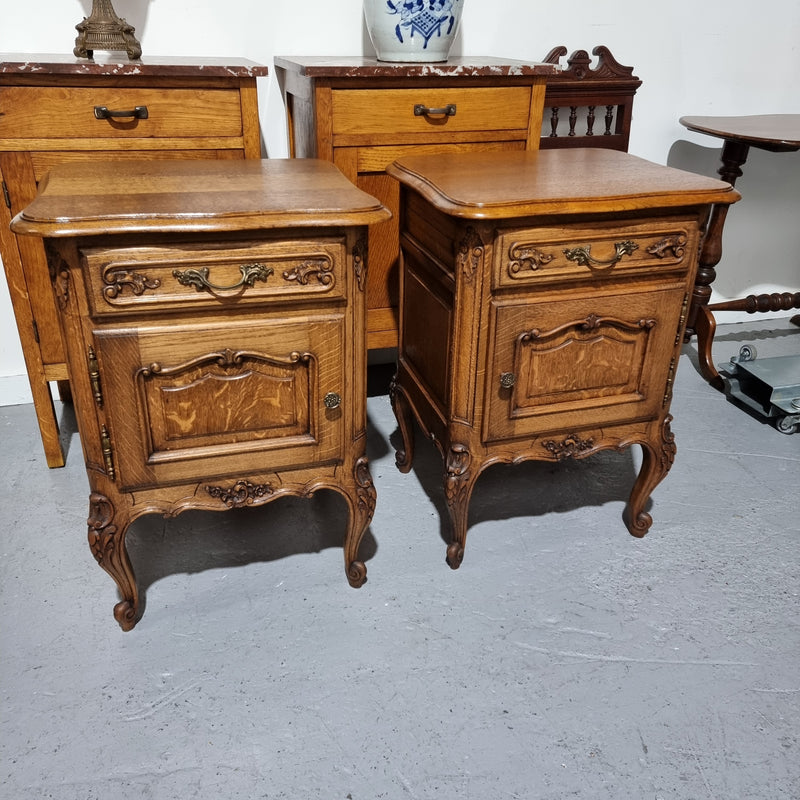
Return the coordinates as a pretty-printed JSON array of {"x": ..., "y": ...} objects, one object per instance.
[{"x": 412, "y": 30}]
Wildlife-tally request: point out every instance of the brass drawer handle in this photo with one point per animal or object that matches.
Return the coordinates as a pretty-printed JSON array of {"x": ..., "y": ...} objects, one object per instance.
[
  {"x": 421, "y": 110},
  {"x": 102, "y": 112},
  {"x": 199, "y": 278},
  {"x": 582, "y": 255}
]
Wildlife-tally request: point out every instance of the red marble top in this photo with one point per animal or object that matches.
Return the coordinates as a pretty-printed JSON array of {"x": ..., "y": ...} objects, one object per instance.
[
  {"x": 359, "y": 67},
  {"x": 58, "y": 64}
]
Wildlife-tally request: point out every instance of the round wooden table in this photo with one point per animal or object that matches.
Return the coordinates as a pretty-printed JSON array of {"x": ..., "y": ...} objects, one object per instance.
[{"x": 777, "y": 133}]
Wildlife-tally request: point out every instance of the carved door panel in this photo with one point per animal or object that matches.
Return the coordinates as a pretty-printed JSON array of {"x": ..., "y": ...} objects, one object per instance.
[
  {"x": 232, "y": 398},
  {"x": 587, "y": 360}
]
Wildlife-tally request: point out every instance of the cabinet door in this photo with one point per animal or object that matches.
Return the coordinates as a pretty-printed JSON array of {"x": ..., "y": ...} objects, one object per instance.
[
  {"x": 587, "y": 359},
  {"x": 192, "y": 401}
]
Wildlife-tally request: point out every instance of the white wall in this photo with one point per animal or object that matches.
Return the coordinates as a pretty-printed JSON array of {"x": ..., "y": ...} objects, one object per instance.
[{"x": 709, "y": 57}]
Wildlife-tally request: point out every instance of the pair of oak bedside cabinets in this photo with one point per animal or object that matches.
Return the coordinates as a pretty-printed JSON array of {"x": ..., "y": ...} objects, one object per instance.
[{"x": 214, "y": 318}]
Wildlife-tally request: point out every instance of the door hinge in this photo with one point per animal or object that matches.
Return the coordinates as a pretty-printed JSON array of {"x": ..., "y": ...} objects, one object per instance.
[
  {"x": 6, "y": 196},
  {"x": 94, "y": 377},
  {"x": 108, "y": 452},
  {"x": 682, "y": 319},
  {"x": 670, "y": 383}
]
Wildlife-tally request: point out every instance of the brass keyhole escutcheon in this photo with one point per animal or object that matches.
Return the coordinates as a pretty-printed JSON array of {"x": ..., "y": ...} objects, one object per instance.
[
  {"x": 507, "y": 380},
  {"x": 332, "y": 400}
]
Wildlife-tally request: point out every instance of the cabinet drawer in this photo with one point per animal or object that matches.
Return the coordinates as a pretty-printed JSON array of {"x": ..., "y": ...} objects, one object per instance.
[
  {"x": 381, "y": 111},
  {"x": 537, "y": 255},
  {"x": 69, "y": 113},
  {"x": 580, "y": 359},
  {"x": 138, "y": 279},
  {"x": 196, "y": 400}
]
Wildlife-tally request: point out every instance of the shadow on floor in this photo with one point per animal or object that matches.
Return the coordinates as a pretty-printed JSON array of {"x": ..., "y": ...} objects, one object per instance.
[{"x": 529, "y": 489}]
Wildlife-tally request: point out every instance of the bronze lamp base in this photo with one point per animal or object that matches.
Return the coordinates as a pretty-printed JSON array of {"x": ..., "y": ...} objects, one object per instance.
[{"x": 104, "y": 30}]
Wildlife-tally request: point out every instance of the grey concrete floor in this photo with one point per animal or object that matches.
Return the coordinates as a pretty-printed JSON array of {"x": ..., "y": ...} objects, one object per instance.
[{"x": 565, "y": 659}]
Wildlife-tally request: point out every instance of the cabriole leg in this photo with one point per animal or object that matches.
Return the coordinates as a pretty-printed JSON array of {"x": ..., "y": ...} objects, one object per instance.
[
  {"x": 656, "y": 463},
  {"x": 361, "y": 501},
  {"x": 402, "y": 412},
  {"x": 459, "y": 481},
  {"x": 107, "y": 542}
]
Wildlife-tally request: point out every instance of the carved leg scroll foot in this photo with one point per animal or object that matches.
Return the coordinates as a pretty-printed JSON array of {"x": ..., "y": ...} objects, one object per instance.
[
  {"x": 362, "y": 507},
  {"x": 656, "y": 463},
  {"x": 402, "y": 412},
  {"x": 455, "y": 554},
  {"x": 458, "y": 484},
  {"x": 107, "y": 543}
]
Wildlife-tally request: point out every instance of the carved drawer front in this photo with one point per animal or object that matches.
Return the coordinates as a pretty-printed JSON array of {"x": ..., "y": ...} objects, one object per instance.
[
  {"x": 537, "y": 255},
  {"x": 430, "y": 111},
  {"x": 127, "y": 113},
  {"x": 592, "y": 359},
  {"x": 221, "y": 399},
  {"x": 192, "y": 276}
]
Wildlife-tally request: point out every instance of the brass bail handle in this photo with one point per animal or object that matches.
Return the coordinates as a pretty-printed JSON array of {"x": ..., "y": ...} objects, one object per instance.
[
  {"x": 199, "y": 278},
  {"x": 583, "y": 256}
]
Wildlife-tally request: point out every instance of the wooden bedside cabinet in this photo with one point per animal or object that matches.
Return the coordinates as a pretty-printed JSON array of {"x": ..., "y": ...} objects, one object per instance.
[
  {"x": 213, "y": 315},
  {"x": 362, "y": 114},
  {"x": 543, "y": 304},
  {"x": 56, "y": 109}
]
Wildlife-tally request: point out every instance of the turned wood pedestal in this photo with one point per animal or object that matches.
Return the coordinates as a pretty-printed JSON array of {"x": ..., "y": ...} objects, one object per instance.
[
  {"x": 776, "y": 133},
  {"x": 214, "y": 320},
  {"x": 543, "y": 305}
]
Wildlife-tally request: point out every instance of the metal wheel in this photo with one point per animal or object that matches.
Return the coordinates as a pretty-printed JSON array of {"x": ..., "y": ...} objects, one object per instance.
[
  {"x": 747, "y": 352},
  {"x": 787, "y": 425}
]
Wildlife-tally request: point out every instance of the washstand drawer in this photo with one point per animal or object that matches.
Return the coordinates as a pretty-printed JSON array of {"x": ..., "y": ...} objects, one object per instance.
[
  {"x": 138, "y": 279},
  {"x": 42, "y": 112},
  {"x": 538, "y": 255},
  {"x": 390, "y": 112}
]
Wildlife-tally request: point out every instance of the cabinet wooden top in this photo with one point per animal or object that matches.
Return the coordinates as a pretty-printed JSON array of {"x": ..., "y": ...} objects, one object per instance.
[
  {"x": 499, "y": 185},
  {"x": 56, "y": 64},
  {"x": 186, "y": 197},
  {"x": 358, "y": 67}
]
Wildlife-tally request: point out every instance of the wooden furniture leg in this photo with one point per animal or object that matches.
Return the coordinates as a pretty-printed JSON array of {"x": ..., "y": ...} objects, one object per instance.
[
  {"x": 404, "y": 457},
  {"x": 361, "y": 499},
  {"x": 657, "y": 459},
  {"x": 701, "y": 321},
  {"x": 107, "y": 542}
]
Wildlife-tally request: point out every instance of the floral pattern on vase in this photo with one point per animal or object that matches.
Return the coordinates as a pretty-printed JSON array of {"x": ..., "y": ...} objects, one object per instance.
[{"x": 424, "y": 31}]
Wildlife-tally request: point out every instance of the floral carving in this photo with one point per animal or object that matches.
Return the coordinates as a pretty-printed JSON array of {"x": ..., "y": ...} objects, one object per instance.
[
  {"x": 101, "y": 531},
  {"x": 571, "y": 446},
  {"x": 526, "y": 257},
  {"x": 116, "y": 280},
  {"x": 360, "y": 250},
  {"x": 365, "y": 489},
  {"x": 242, "y": 493},
  {"x": 470, "y": 253},
  {"x": 674, "y": 244},
  {"x": 59, "y": 274},
  {"x": 456, "y": 472},
  {"x": 668, "y": 447},
  {"x": 321, "y": 269}
]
